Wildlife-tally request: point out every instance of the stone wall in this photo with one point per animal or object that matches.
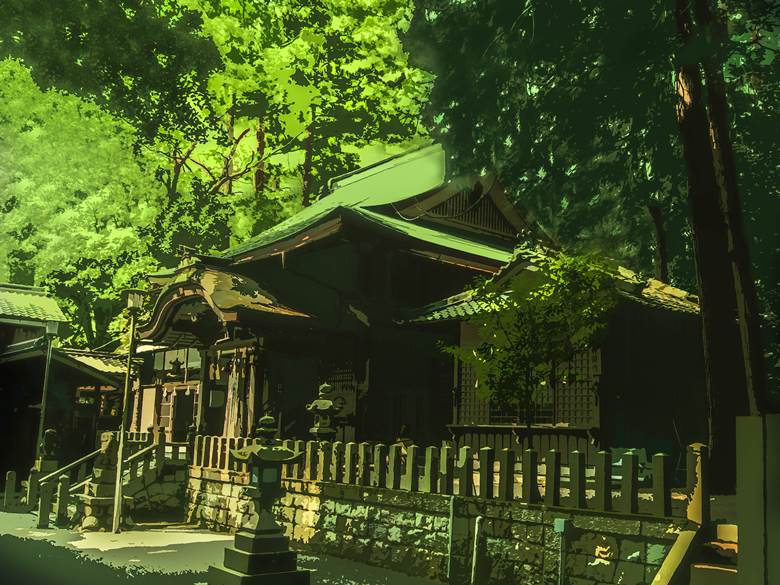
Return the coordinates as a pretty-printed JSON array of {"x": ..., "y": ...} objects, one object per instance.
[
  {"x": 159, "y": 493},
  {"x": 410, "y": 532}
]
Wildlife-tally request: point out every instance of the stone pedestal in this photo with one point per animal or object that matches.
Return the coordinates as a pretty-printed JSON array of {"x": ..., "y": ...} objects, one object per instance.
[
  {"x": 261, "y": 555},
  {"x": 259, "y": 560}
]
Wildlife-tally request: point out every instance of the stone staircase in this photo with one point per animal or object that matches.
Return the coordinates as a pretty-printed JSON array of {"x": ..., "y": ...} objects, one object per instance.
[{"x": 715, "y": 561}]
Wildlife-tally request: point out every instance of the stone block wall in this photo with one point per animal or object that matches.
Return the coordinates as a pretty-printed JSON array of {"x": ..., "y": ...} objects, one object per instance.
[
  {"x": 159, "y": 493},
  {"x": 411, "y": 532}
]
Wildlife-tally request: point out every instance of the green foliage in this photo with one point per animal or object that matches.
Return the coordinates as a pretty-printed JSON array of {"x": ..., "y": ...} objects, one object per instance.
[
  {"x": 191, "y": 123},
  {"x": 128, "y": 55},
  {"x": 573, "y": 102},
  {"x": 536, "y": 321},
  {"x": 72, "y": 198}
]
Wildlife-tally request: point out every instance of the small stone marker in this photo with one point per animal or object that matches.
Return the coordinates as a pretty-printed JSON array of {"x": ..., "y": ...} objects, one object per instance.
[
  {"x": 577, "y": 479},
  {"x": 446, "y": 470},
  {"x": 530, "y": 476},
  {"x": 10, "y": 490},
  {"x": 44, "y": 504}
]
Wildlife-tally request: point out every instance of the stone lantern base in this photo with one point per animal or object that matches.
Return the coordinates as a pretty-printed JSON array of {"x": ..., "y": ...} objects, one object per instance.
[{"x": 259, "y": 559}]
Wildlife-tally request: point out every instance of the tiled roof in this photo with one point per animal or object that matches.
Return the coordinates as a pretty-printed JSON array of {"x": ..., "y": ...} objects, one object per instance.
[
  {"x": 108, "y": 363},
  {"x": 28, "y": 303},
  {"x": 651, "y": 292}
]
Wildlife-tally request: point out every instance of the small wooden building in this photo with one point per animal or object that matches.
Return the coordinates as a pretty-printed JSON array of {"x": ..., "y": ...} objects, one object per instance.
[
  {"x": 318, "y": 297},
  {"x": 642, "y": 387},
  {"x": 349, "y": 291},
  {"x": 83, "y": 396}
]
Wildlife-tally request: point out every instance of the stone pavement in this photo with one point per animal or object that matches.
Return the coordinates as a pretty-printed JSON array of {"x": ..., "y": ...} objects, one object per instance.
[{"x": 181, "y": 553}]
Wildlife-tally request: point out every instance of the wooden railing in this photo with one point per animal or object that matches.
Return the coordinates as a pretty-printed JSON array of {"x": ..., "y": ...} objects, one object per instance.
[{"x": 491, "y": 475}]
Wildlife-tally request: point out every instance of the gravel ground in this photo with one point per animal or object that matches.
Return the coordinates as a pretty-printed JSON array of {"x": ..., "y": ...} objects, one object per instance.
[{"x": 172, "y": 555}]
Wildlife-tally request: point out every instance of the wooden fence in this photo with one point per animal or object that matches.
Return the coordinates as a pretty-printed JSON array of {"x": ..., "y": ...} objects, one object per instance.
[{"x": 536, "y": 478}]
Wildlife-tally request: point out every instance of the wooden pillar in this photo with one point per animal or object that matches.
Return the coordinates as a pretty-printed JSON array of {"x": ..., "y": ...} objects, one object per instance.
[
  {"x": 379, "y": 477},
  {"x": 604, "y": 481},
  {"x": 412, "y": 469},
  {"x": 487, "y": 460},
  {"x": 394, "y": 467},
  {"x": 629, "y": 487},
  {"x": 465, "y": 472},
  {"x": 364, "y": 464},
  {"x": 662, "y": 485},
  {"x": 338, "y": 462},
  {"x": 530, "y": 475},
  {"x": 506, "y": 477},
  {"x": 577, "y": 479},
  {"x": 552, "y": 484},
  {"x": 63, "y": 498},
  {"x": 431, "y": 471},
  {"x": 446, "y": 470}
]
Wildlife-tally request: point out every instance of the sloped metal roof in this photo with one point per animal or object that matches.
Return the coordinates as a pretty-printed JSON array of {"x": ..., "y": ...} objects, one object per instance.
[
  {"x": 28, "y": 303},
  {"x": 108, "y": 368},
  {"x": 390, "y": 181}
]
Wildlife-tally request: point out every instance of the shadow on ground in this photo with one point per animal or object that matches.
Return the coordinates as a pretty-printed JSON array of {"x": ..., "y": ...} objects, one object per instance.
[{"x": 28, "y": 561}]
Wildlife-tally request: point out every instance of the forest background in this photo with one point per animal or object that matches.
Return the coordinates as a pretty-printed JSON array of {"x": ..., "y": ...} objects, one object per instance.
[{"x": 130, "y": 128}]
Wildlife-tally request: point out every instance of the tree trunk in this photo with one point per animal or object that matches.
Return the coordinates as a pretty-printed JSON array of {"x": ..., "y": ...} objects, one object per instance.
[
  {"x": 260, "y": 168},
  {"x": 228, "y": 170},
  {"x": 724, "y": 370},
  {"x": 307, "y": 163},
  {"x": 731, "y": 205},
  {"x": 661, "y": 248}
]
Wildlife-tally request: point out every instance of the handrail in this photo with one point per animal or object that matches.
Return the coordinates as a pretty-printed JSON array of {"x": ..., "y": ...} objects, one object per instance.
[
  {"x": 68, "y": 467},
  {"x": 141, "y": 453}
]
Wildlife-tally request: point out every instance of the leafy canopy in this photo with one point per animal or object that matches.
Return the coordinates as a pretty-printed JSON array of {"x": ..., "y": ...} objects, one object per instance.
[{"x": 534, "y": 321}]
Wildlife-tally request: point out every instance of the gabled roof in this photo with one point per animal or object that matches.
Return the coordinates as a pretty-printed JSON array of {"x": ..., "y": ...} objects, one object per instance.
[
  {"x": 389, "y": 181},
  {"x": 23, "y": 304}
]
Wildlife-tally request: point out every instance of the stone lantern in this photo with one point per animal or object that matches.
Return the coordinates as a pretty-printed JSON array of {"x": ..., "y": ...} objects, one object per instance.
[
  {"x": 323, "y": 409},
  {"x": 261, "y": 553}
]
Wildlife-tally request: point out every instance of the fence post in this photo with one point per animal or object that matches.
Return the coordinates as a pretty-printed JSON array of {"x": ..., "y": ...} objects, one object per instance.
[
  {"x": 530, "y": 475},
  {"x": 430, "y": 483},
  {"x": 604, "y": 481},
  {"x": 300, "y": 464},
  {"x": 311, "y": 460},
  {"x": 552, "y": 482},
  {"x": 577, "y": 479},
  {"x": 630, "y": 483},
  {"x": 698, "y": 477},
  {"x": 487, "y": 460},
  {"x": 338, "y": 462},
  {"x": 465, "y": 472},
  {"x": 33, "y": 488},
  {"x": 160, "y": 451},
  {"x": 394, "y": 467},
  {"x": 350, "y": 459},
  {"x": 10, "y": 490},
  {"x": 446, "y": 468},
  {"x": 379, "y": 477},
  {"x": 412, "y": 469},
  {"x": 325, "y": 465},
  {"x": 506, "y": 474},
  {"x": 63, "y": 495},
  {"x": 364, "y": 464},
  {"x": 662, "y": 485},
  {"x": 44, "y": 504},
  {"x": 287, "y": 467}
]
